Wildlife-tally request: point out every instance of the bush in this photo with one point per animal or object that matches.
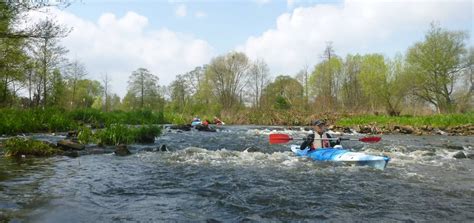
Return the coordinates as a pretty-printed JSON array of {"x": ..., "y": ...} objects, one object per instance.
[
  {"x": 18, "y": 146},
  {"x": 147, "y": 134},
  {"x": 85, "y": 135},
  {"x": 122, "y": 134},
  {"x": 115, "y": 134}
]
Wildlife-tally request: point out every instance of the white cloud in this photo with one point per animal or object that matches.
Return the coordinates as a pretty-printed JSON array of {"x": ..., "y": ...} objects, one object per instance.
[
  {"x": 354, "y": 27},
  {"x": 200, "y": 14},
  {"x": 263, "y": 2},
  {"x": 181, "y": 10},
  {"x": 290, "y": 3},
  {"x": 120, "y": 45}
]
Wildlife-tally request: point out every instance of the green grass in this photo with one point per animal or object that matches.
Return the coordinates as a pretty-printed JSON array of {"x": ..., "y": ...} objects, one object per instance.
[
  {"x": 122, "y": 134},
  {"x": 17, "y": 121},
  {"x": 18, "y": 146},
  {"x": 445, "y": 120}
]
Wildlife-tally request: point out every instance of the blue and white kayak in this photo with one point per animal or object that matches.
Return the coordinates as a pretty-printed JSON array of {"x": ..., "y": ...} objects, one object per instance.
[
  {"x": 342, "y": 155},
  {"x": 194, "y": 123}
]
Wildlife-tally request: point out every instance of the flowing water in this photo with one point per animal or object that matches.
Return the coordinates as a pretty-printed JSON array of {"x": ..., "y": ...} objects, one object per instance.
[{"x": 234, "y": 175}]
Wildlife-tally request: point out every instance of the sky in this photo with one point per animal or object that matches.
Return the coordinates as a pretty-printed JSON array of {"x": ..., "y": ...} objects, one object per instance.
[{"x": 116, "y": 37}]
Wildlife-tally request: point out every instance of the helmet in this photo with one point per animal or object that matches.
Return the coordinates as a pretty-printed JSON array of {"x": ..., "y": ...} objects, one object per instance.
[{"x": 319, "y": 122}]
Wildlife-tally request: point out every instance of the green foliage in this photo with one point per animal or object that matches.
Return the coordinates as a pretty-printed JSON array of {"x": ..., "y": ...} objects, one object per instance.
[
  {"x": 435, "y": 64},
  {"x": 115, "y": 134},
  {"x": 284, "y": 93},
  {"x": 122, "y": 134},
  {"x": 416, "y": 121},
  {"x": 147, "y": 134},
  {"x": 18, "y": 146},
  {"x": 13, "y": 121},
  {"x": 85, "y": 135},
  {"x": 175, "y": 118}
]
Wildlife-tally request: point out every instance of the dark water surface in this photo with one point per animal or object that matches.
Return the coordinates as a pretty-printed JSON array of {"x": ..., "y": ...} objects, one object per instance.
[{"x": 209, "y": 177}]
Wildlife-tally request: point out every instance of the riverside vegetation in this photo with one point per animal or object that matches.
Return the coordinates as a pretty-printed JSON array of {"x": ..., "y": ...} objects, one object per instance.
[{"x": 429, "y": 86}]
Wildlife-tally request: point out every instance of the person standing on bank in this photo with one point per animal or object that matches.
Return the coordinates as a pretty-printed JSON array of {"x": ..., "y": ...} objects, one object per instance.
[{"x": 319, "y": 137}]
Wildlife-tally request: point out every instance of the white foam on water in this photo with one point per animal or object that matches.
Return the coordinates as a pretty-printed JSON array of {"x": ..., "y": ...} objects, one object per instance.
[{"x": 201, "y": 156}]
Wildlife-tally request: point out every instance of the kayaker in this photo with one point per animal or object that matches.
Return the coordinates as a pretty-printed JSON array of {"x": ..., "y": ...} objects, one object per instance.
[
  {"x": 196, "y": 119},
  {"x": 217, "y": 121},
  {"x": 205, "y": 123},
  {"x": 316, "y": 139}
]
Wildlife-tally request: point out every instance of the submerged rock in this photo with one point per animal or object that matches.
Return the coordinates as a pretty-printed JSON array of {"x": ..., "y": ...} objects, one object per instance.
[
  {"x": 71, "y": 134},
  {"x": 181, "y": 127},
  {"x": 71, "y": 153},
  {"x": 163, "y": 148},
  {"x": 122, "y": 150},
  {"x": 70, "y": 145},
  {"x": 470, "y": 155},
  {"x": 459, "y": 155},
  {"x": 455, "y": 147},
  {"x": 251, "y": 149}
]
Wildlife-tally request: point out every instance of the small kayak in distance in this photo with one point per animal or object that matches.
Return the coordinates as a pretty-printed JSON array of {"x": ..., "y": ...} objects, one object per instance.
[
  {"x": 194, "y": 123},
  {"x": 342, "y": 155}
]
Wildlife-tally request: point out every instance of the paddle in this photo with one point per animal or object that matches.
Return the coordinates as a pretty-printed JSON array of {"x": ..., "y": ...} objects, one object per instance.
[{"x": 279, "y": 138}]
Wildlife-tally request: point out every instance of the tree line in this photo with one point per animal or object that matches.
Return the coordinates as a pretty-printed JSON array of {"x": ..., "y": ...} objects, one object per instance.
[{"x": 435, "y": 74}]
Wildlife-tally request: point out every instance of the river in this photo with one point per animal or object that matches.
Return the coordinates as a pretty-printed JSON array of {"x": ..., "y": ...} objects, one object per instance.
[{"x": 209, "y": 177}]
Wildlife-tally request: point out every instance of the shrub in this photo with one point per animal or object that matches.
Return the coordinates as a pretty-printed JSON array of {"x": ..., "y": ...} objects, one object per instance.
[
  {"x": 18, "y": 146},
  {"x": 147, "y": 134}
]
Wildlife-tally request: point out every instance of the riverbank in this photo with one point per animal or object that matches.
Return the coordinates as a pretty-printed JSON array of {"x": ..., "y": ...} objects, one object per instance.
[{"x": 17, "y": 121}]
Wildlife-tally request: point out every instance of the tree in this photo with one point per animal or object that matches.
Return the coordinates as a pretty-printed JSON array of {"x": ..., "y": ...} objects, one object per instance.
[
  {"x": 351, "y": 94},
  {"x": 229, "y": 75},
  {"x": 143, "y": 86},
  {"x": 303, "y": 77},
  {"x": 48, "y": 55},
  {"x": 106, "y": 82},
  {"x": 179, "y": 94},
  {"x": 324, "y": 83},
  {"x": 435, "y": 65},
  {"x": 87, "y": 92},
  {"x": 13, "y": 12},
  {"x": 75, "y": 72},
  {"x": 284, "y": 93},
  {"x": 259, "y": 79}
]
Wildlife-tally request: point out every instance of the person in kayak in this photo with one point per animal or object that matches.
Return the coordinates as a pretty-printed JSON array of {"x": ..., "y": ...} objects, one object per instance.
[
  {"x": 205, "y": 123},
  {"x": 196, "y": 119},
  {"x": 314, "y": 141},
  {"x": 217, "y": 121}
]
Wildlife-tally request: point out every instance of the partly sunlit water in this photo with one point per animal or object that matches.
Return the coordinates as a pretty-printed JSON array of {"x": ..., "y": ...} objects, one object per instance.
[{"x": 210, "y": 177}]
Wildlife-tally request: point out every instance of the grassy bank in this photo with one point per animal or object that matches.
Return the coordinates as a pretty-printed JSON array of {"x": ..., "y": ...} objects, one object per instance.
[
  {"x": 18, "y": 146},
  {"x": 440, "y": 121},
  {"x": 17, "y": 121}
]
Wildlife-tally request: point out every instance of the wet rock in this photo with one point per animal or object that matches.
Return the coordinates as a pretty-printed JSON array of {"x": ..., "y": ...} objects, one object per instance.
[
  {"x": 364, "y": 129},
  {"x": 147, "y": 138},
  {"x": 406, "y": 129},
  {"x": 347, "y": 130},
  {"x": 71, "y": 134},
  {"x": 459, "y": 155},
  {"x": 429, "y": 154},
  {"x": 70, "y": 145},
  {"x": 163, "y": 148},
  {"x": 149, "y": 149},
  {"x": 440, "y": 132},
  {"x": 71, "y": 153},
  {"x": 470, "y": 155},
  {"x": 205, "y": 128},
  {"x": 181, "y": 127},
  {"x": 251, "y": 149},
  {"x": 122, "y": 150},
  {"x": 455, "y": 147}
]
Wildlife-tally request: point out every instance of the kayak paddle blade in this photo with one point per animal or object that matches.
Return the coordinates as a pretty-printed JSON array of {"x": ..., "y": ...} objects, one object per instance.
[
  {"x": 279, "y": 138},
  {"x": 372, "y": 139}
]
